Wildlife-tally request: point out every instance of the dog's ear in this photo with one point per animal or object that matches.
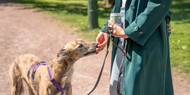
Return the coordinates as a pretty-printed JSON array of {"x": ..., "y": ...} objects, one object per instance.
[{"x": 62, "y": 55}]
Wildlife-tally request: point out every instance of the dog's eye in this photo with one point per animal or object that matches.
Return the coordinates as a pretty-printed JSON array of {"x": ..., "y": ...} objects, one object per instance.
[{"x": 80, "y": 46}]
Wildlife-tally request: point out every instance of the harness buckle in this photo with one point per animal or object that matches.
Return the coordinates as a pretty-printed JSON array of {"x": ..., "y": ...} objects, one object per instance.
[
  {"x": 52, "y": 79},
  {"x": 42, "y": 62}
]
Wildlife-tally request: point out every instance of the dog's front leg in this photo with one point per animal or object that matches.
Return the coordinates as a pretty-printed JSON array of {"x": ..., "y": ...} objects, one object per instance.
[
  {"x": 43, "y": 91},
  {"x": 68, "y": 89}
]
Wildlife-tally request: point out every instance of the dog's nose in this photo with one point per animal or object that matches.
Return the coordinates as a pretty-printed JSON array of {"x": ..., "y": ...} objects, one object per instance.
[{"x": 96, "y": 44}]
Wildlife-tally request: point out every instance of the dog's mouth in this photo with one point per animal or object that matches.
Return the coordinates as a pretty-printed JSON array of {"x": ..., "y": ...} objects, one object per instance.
[
  {"x": 89, "y": 53},
  {"x": 92, "y": 51}
]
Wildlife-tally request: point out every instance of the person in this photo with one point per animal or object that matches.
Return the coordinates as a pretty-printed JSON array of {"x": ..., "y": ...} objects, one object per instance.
[{"x": 146, "y": 69}]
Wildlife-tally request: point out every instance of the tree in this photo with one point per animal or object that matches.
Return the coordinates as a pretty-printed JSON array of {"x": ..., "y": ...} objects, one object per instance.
[{"x": 92, "y": 14}]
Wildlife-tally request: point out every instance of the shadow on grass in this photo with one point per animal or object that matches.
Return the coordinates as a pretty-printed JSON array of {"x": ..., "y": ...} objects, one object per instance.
[
  {"x": 181, "y": 11},
  {"x": 73, "y": 8},
  {"x": 5, "y": 1}
]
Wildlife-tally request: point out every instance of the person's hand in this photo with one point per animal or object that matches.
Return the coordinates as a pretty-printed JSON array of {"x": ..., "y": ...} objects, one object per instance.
[
  {"x": 101, "y": 39},
  {"x": 118, "y": 31}
]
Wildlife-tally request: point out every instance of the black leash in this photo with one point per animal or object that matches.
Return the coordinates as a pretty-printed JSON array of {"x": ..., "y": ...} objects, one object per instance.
[
  {"x": 100, "y": 74},
  {"x": 121, "y": 65}
]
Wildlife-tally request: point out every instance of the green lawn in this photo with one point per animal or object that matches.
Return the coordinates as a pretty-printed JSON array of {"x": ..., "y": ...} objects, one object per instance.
[
  {"x": 180, "y": 38},
  {"x": 74, "y": 13}
]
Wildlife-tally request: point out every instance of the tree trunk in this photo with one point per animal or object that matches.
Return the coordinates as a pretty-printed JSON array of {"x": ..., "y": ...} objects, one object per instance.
[{"x": 92, "y": 14}]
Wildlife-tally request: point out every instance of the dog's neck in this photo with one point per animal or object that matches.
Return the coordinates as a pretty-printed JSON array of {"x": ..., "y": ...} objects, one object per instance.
[{"x": 61, "y": 71}]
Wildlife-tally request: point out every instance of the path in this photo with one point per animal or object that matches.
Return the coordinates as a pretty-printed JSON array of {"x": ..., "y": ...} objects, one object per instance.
[{"x": 26, "y": 30}]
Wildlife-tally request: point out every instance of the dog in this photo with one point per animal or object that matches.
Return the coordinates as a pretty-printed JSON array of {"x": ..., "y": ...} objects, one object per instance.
[{"x": 61, "y": 68}]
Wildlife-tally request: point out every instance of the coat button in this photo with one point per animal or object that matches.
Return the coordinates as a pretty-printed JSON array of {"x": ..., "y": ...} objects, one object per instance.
[
  {"x": 140, "y": 33},
  {"x": 135, "y": 28}
]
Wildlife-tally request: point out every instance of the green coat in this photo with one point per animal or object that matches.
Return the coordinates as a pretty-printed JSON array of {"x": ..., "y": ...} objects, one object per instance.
[{"x": 147, "y": 65}]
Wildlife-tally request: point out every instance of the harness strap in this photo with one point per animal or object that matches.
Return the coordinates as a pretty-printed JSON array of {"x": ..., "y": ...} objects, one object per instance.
[
  {"x": 55, "y": 83},
  {"x": 31, "y": 69}
]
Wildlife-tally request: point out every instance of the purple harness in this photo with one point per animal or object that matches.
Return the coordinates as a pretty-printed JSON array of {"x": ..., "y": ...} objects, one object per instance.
[{"x": 51, "y": 78}]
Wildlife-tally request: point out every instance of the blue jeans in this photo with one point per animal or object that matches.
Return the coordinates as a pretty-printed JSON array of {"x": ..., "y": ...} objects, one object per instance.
[{"x": 115, "y": 70}]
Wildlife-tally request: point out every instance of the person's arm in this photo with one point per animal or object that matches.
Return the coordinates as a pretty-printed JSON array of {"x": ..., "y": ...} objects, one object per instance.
[
  {"x": 102, "y": 37},
  {"x": 147, "y": 22}
]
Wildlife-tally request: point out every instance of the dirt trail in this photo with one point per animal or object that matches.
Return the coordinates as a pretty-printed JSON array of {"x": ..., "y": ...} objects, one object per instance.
[{"x": 26, "y": 30}]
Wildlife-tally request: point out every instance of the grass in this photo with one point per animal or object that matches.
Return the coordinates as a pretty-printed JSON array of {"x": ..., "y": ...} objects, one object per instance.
[
  {"x": 74, "y": 12},
  {"x": 180, "y": 38}
]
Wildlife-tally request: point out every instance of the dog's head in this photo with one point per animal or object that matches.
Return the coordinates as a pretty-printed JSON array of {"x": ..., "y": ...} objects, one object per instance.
[{"x": 76, "y": 49}]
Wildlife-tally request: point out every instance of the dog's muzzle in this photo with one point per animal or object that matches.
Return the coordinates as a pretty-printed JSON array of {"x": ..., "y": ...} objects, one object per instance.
[{"x": 92, "y": 52}]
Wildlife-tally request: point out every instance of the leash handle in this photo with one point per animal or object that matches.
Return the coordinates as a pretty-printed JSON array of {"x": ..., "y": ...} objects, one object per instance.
[{"x": 100, "y": 74}]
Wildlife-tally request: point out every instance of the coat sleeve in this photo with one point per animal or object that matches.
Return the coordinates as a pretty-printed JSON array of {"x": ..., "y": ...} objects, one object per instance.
[
  {"x": 147, "y": 21},
  {"x": 104, "y": 27}
]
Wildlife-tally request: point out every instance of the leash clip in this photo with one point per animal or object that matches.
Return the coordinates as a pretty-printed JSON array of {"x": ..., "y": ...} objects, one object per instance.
[{"x": 110, "y": 28}]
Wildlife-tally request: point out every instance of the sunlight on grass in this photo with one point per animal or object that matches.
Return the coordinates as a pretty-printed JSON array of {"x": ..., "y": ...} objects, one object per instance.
[{"x": 180, "y": 38}]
